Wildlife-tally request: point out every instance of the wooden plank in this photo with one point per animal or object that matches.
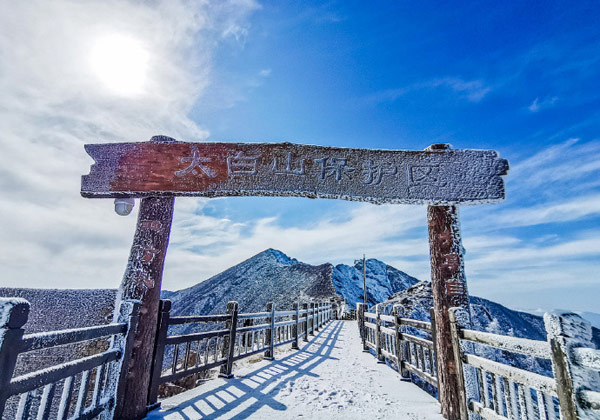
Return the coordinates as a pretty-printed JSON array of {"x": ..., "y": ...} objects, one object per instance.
[
  {"x": 521, "y": 376},
  {"x": 423, "y": 375},
  {"x": 178, "y": 339},
  {"x": 416, "y": 340},
  {"x": 484, "y": 412},
  {"x": 258, "y": 315},
  {"x": 164, "y": 166},
  {"x": 57, "y": 338},
  {"x": 422, "y": 325},
  {"x": 524, "y": 346},
  {"x": 178, "y": 320}
]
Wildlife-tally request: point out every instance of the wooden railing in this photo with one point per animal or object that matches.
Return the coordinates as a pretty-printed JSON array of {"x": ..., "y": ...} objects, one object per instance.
[
  {"x": 231, "y": 336},
  {"x": 489, "y": 388},
  {"x": 395, "y": 338},
  {"x": 95, "y": 377}
]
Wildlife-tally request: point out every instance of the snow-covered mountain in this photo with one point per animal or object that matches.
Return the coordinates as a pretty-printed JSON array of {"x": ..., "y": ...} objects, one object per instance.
[{"x": 272, "y": 276}]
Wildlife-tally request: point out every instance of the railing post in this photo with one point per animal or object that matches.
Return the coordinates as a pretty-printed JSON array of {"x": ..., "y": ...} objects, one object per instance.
[
  {"x": 380, "y": 358},
  {"x": 360, "y": 315},
  {"x": 270, "y": 336},
  {"x": 575, "y": 364},
  {"x": 316, "y": 318},
  {"x": 305, "y": 308},
  {"x": 229, "y": 340},
  {"x": 296, "y": 326},
  {"x": 14, "y": 313},
  {"x": 434, "y": 341},
  {"x": 311, "y": 314},
  {"x": 458, "y": 318},
  {"x": 164, "y": 314},
  {"x": 129, "y": 313},
  {"x": 397, "y": 312}
]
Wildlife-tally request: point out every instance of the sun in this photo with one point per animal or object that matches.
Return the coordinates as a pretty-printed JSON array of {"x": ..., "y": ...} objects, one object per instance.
[{"x": 121, "y": 63}]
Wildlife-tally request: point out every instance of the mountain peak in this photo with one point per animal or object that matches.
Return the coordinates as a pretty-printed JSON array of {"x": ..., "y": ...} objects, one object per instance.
[{"x": 279, "y": 256}]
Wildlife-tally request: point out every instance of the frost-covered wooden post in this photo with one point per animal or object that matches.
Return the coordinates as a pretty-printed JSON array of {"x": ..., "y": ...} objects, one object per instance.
[
  {"x": 229, "y": 340},
  {"x": 380, "y": 358},
  {"x": 296, "y": 326},
  {"x": 575, "y": 363},
  {"x": 311, "y": 320},
  {"x": 14, "y": 313},
  {"x": 449, "y": 286},
  {"x": 164, "y": 313},
  {"x": 142, "y": 281},
  {"x": 270, "y": 332},
  {"x": 305, "y": 310},
  {"x": 360, "y": 314},
  {"x": 396, "y": 313},
  {"x": 129, "y": 313},
  {"x": 459, "y": 318},
  {"x": 317, "y": 316}
]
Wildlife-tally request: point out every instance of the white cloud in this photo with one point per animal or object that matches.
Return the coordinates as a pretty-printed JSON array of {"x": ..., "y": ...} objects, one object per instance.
[
  {"x": 53, "y": 102},
  {"x": 538, "y": 104}
]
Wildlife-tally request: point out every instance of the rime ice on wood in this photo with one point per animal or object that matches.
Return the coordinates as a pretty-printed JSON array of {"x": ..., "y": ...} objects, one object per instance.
[
  {"x": 578, "y": 383},
  {"x": 286, "y": 169}
]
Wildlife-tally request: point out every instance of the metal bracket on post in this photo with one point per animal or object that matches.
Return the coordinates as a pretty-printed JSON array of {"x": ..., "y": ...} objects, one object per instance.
[{"x": 229, "y": 340}]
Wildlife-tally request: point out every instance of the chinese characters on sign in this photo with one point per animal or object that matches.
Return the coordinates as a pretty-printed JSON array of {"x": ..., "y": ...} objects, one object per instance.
[
  {"x": 336, "y": 168},
  {"x": 286, "y": 169}
]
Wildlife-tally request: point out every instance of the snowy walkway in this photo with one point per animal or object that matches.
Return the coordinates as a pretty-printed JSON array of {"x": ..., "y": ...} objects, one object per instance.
[{"x": 329, "y": 378}]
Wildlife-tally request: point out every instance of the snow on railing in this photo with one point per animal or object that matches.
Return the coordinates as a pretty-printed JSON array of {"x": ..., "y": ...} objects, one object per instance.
[
  {"x": 96, "y": 378},
  {"x": 242, "y": 335},
  {"x": 488, "y": 388},
  {"x": 507, "y": 392},
  {"x": 392, "y": 338}
]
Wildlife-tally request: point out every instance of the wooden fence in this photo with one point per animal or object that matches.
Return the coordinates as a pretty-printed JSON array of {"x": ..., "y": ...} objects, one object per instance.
[
  {"x": 242, "y": 335},
  {"x": 95, "y": 377},
  {"x": 490, "y": 389}
]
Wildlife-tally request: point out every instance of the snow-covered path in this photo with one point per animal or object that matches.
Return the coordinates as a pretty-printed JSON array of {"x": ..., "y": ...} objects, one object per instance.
[{"x": 329, "y": 378}]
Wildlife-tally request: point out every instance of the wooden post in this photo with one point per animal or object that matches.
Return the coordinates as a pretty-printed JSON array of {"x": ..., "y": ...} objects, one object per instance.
[
  {"x": 360, "y": 314},
  {"x": 457, "y": 317},
  {"x": 317, "y": 316},
  {"x": 229, "y": 340},
  {"x": 380, "y": 358},
  {"x": 434, "y": 341},
  {"x": 449, "y": 287},
  {"x": 397, "y": 313},
  {"x": 164, "y": 313},
  {"x": 270, "y": 335},
  {"x": 305, "y": 308},
  {"x": 296, "y": 326},
  {"x": 311, "y": 314},
  {"x": 575, "y": 363},
  {"x": 14, "y": 313},
  {"x": 142, "y": 281},
  {"x": 129, "y": 313}
]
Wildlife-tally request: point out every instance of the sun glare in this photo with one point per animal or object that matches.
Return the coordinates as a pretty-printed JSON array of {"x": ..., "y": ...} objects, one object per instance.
[{"x": 120, "y": 62}]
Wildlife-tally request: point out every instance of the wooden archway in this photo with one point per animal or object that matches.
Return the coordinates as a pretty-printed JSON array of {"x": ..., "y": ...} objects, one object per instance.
[{"x": 161, "y": 169}]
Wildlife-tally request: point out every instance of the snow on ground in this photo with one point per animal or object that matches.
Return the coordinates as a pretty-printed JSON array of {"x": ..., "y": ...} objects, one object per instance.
[{"x": 328, "y": 378}]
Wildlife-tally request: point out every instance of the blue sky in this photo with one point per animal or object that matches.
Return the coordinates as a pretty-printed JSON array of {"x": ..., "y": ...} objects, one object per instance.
[{"x": 522, "y": 78}]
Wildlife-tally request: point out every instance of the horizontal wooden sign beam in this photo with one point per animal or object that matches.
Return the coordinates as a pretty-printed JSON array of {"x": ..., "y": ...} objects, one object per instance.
[{"x": 170, "y": 168}]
